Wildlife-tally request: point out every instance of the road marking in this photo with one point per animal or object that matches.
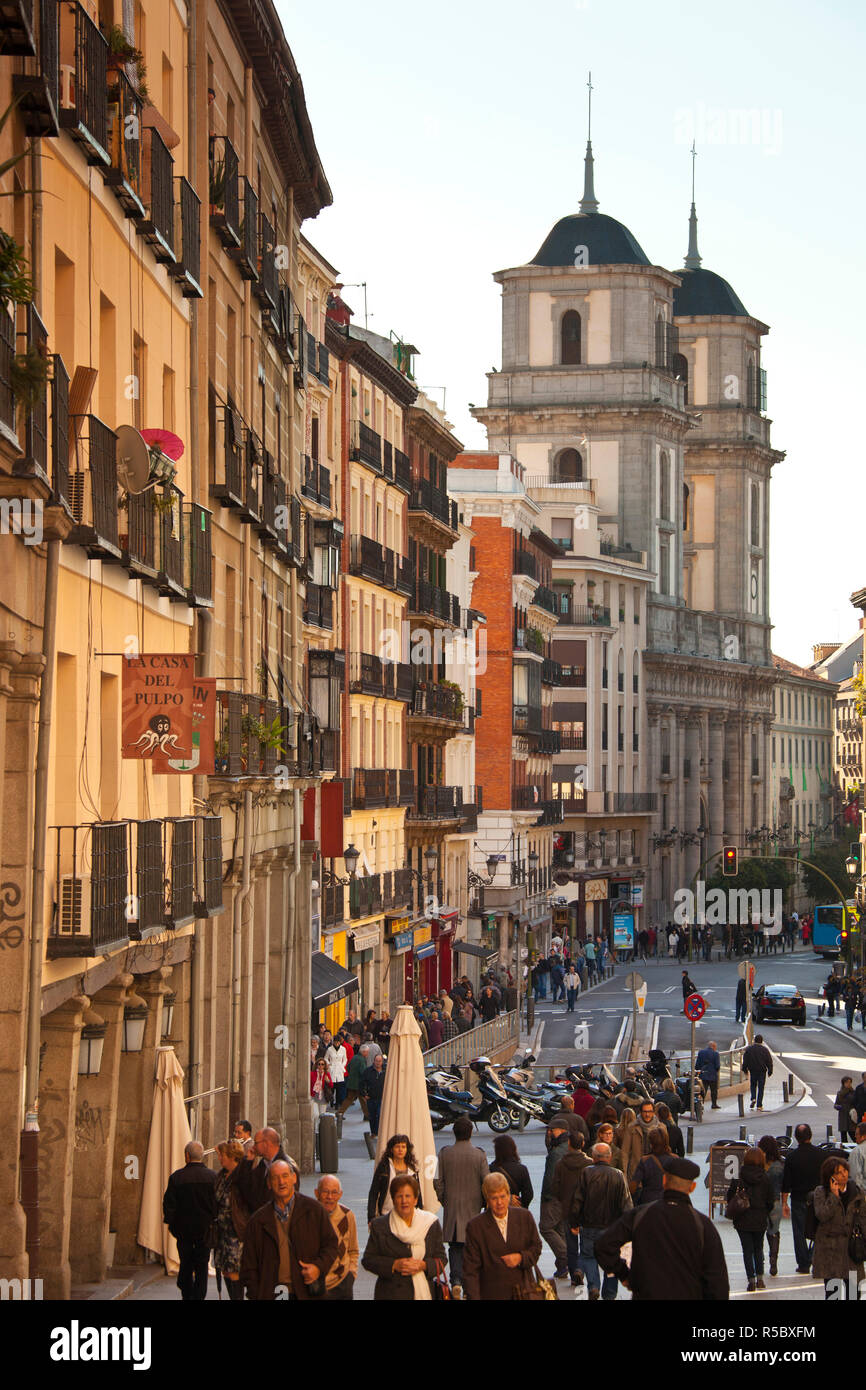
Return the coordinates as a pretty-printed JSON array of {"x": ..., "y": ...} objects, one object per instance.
[
  {"x": 618, "y": 1042},
  {"x": 807, "y": 1100},
  {"x": 581, "y": 1035},
  {"x": 669, "y": 989}
]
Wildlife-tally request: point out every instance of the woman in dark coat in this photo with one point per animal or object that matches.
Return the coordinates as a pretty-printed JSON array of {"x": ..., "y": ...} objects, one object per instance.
[
  {"x": 502, "y": 1246},
  {"x": 751, "y": 1225},
  {"x": 398, "y": 1159},
  {"x": 405, "y": 1249},
  {"x": 675, "y": 1134},
  {"x": 507, "y": 1162},
  {"x": 650, "y": 1172},
  {"x": 839, "y": 1205}
]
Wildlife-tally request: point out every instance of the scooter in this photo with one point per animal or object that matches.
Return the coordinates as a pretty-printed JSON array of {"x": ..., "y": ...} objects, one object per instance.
[{"x": 500, "y": 1108}]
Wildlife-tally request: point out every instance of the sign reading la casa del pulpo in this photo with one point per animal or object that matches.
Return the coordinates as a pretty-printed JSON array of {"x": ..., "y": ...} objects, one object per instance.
[{"x": 158, "y": 707}]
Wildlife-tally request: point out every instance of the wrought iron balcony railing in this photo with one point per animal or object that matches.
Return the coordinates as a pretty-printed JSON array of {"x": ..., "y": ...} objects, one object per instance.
[
  {"x": 37, "y": 88},
  {"x": 246, "y": 254},
  {"x": 319, "y": 607},
  {"x": 402, "y": 471},
  {"x": 198, "y": 556},
  {"x": 424, "y": 497},
  {"x": 157, "y": 228},
  {"x": 434, "y": 701},
  {"x": 317, "y": 482},
  {"x": 84, "y": 108},
  {"x": 430, "y": 601},
  {"x": 187, "y": 244},
  {"x": 224, "y": 192},
  {"x": 265, "y": 289},
  {"x": 367, "y": 445},
  {"x": 93, "y": 488},
  {"x": 437, "y": 803},
  {"x": 124, "y": 176},
  {"x": 227, "y": 485}
]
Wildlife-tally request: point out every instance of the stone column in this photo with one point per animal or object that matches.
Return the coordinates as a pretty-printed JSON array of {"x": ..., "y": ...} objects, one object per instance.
[
  {"x": 61, "y": 1036},
  {"x": 733, "y": 781},
  {"x": 692, "y": 816},
  {"x": 134, "y": 1110},
  {"x": 298, "y": 1111},
  {"x": 260, "y": 1040},
  {"x": 279, "y": 900},
  {"x": 717, "y": 790},
  {"x": 19, "y": 694},
  {"x": 95, "y": 1124}
]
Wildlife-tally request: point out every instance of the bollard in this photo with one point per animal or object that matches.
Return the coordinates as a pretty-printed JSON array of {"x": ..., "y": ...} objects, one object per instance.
[
  {"x": 372, "y": 1143},
  {"x": 790, "y": 1083},
  {"x": 740, "y": 1111},
  {"x": 829, "y": 1132},
  {"x": 329, "y": 1153},
  {"x": 742, "y": 1131},
  {"x": 784, "y": 1093},
  {"x": 338, "y": 1116},
  {"x": 690, "y": 1139}
]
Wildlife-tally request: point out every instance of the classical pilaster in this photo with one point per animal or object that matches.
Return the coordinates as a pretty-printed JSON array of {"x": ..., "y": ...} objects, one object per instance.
[
  {"x": 299, "y": 1119},
  {"x": 61, "y": 1037},
  {"x": 692, "y": 817},
  {"x": 716, "y": 837}
]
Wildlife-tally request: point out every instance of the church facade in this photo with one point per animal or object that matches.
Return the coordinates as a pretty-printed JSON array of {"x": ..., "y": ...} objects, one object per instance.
[{"x": 645, "y": 387}]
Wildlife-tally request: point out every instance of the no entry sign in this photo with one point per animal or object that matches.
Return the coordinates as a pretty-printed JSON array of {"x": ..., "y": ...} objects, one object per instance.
[{"x": 695, "y": 1007}]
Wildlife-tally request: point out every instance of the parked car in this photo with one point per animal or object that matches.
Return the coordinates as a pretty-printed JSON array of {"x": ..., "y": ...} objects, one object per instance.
[{"x": 775, "y": 1003}]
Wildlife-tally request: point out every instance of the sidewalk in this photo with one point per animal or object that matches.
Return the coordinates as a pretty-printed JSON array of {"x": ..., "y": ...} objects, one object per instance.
[{"x": 857, "y": 1036}]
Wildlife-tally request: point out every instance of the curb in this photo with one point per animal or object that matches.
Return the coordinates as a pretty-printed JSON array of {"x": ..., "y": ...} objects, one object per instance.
[{"x": 842, "y": 1032}]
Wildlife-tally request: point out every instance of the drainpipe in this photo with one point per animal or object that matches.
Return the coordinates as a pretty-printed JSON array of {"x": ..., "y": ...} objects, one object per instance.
[
  {"x": 287, "y": 949},
  {"x": 29, "y": 1153},
  {"x": 240, "y": 901}
]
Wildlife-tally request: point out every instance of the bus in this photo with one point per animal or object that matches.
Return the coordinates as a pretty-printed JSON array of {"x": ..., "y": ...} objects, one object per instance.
[{"x": 827, "y": 928}]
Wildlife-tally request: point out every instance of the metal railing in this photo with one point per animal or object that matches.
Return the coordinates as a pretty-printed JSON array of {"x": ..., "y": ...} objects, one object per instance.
[
  {"x": 224, "y": 194},
  {"x": 124, "y": 143},
  {"x": 158, "y": 227},
  {"x": 246, "y": 256},
  {"x": 424, "y": 497},
  {"x": 367, "y": 445},
  {"x": 437, "y": 803},
  {"x": 266, "y": 288},
  {"x": 198, "y": 555},
  {"x": 317, "y": 482},
  {"x": 479, "y": 1041},
  {"x": 319, "y": 606},
  {"x": 402, "y": 471},
  {"x": 86, "y": 115},
  {"x": 7, "y": 356},
  {"x": 433, "y": 701},
  {"x": 431, "y": 601},
  {"x": 187, "y": 220},
  {"x": 93, "y": 488}
]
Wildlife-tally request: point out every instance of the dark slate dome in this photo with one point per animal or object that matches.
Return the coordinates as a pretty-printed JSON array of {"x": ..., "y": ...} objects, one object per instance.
[
  {"x": 703, "y": 294},
  {"x": 607, "y": 241}
]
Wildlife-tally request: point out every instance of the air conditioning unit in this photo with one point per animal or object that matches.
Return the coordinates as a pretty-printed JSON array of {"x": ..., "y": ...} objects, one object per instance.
[{"x": 73, "y": 905}]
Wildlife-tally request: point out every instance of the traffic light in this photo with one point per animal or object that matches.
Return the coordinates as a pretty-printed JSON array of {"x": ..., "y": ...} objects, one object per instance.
[
  {"x": 729, "y": 861},
  {"x": 843, "y": 935}
]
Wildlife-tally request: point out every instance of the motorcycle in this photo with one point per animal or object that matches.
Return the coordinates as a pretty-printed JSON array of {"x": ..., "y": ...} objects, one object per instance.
[
  {"x": 447, "y": 1103},
  {"x": 502, "y": 1107}
]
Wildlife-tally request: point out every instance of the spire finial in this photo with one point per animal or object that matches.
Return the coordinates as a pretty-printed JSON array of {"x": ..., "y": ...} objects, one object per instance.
[
  {"x": 588, "y": 202},
  {"x": 693, "y": 260}
]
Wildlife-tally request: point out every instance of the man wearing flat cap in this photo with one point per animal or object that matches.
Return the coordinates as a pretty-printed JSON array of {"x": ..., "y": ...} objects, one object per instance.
[{"x": 676, "y": 1252}]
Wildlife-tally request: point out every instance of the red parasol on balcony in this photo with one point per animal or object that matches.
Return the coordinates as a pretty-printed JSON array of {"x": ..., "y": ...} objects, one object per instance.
[{"x": 170, "y": 444}]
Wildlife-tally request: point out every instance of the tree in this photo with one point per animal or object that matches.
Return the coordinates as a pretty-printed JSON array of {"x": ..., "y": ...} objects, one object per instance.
[
  {"x": 756, "y": 873},
  {"x": 830, "y": 858}
]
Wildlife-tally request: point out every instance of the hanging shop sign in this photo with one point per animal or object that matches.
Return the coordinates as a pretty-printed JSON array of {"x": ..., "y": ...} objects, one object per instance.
[
  {"x": 402, "y": 942},
  {"x": 365, "y": 940},
  {"x": 157, "y": 711},
  {"x": 595, "y": 890}
]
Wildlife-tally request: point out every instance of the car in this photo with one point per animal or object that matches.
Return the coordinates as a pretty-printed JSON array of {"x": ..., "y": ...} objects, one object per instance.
[{"x": 775, "y": 1003}]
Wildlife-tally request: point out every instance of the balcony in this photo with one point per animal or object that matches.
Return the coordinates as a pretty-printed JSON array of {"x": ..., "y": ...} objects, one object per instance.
[
  {"x": 280, "y": 323},
  {"x": 319, "y": 607},
  {"x": 369, "y": 675},
  {"x": 398, "y": 889},
  {"x": 607, "y": 546},
  {"x": 524, "y": 563},
  {"x": 529, "y": 639},
  {"x": 324, "y": 372},
  {"x": 198, "y": 556},
  {"x": 402, "y": 471},
  {"x": 137, "y": 536},
  {"x": 429, "y": 601},
  {"x": 90, "y": 908},
  {"x": 546, "y": 599},
  {"x": 550, "y": 741},
  {"x": 432, "y": 502},
  {"x": 7, "y": 357},
  {"x": 37, "y": 89},
  {"x": 572, "y": 743},
  {"x": 250, "y": 509},
  {"x": 557, "y": 480},
  {"x": 366, "y": 446},
  {"x": 551, "y": 813},
  {"x": 178, "y": 857},
  {"x": 630, "y": 803},
  {"x": 124, "y": 177},
  {"x": 187, "y": 219},
  {"x": 472, "y": 808},
  {"x": 573, "y": 677},
  {"x": 158, "y": 225},
  {"x": 365, "y": 897},
  {"x": 265, "y": 283},
  {"x": 253, "y": 735},
  {"x": 551, "y": 672},
  {"x": 84, "y": 111},
  {"x": 436, "y": 804},
  {"x": 93, "y": 488},
  {"x": 224, "y": 192},
  {"x": 366, "y": 559},
  {"x": 434, "y": 701},
  {"x": 317, "y": 482},
  {"x": 526, "y": 719},
  {"x": 34, "y": 464},
  {"x": 585, "y": 615},
  {"x": 373, "y": 788},
  {"x": 169, "y": 542},
  {"x": 667, "y": 345},
  {"x": 246, "y": 255}
]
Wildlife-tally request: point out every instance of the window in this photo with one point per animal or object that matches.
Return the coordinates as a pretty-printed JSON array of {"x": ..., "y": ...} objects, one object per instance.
[
  {"x": 570, "y": 339},
  {"x": 665, "y": 486},
  {"x": 664, "y": 564},
  {"x": 568, "y": 467},
  {"x": 680, "y": 368},
  {"x": 636, "y": 605},
  {"x": 562, "y": 531},
  {"x": 686, "y": 495}
]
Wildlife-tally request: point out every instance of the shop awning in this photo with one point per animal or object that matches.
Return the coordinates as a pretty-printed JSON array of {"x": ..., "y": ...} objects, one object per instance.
[
  {"x": 329, "y": 981},
  {"x": 428, "y": 949},
  {"x": 470, "y": 948}
]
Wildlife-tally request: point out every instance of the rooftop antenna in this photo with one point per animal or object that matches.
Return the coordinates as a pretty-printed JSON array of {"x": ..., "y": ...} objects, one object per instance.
[
  {"x": 693, "y": 260},
  {"x": 588, "y": 202}
]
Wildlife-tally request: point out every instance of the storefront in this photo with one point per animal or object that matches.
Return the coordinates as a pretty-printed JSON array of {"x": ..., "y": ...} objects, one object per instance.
[
  {"x": 483, "y": 956},
  {"x": 331, "y": 984},
  {"x": 362, "y": 963},
  {"x": 400, "y": 939}
]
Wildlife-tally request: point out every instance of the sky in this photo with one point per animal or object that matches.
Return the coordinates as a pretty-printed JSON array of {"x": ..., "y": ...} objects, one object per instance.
[{"x": 453, "y": 139}]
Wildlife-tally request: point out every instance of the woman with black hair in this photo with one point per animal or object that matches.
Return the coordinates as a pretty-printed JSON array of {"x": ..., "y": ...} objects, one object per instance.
[
  {"x": 397, "y": 1160},
  {"x": 507, "y": 1162}
]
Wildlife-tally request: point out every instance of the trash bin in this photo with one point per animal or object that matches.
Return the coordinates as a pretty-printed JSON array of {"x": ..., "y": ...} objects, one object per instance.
[{"x": 329, "y": 1151}]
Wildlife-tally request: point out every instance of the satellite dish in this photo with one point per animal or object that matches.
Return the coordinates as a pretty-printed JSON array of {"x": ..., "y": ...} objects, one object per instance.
[{"x": 133, "y": 459}]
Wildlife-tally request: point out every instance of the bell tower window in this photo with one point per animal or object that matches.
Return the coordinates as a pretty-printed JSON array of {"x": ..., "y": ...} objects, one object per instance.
[{"x": 570, "y": 339}]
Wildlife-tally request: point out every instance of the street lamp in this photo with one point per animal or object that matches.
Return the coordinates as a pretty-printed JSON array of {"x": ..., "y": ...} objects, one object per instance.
[
  {"x": 431, "y": 860},
  {"x": 134, "y": 1024},
  {"x": 852, "y": 865},
  {"x": 91, "y": 1045},
  {"x": 350, "y": 859}
]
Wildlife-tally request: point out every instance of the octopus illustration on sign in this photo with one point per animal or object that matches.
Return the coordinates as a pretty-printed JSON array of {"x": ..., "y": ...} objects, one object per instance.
[{"x": 158, "y": 735}]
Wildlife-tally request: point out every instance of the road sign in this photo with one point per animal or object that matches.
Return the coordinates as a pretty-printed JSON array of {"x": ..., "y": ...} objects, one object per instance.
[
  {"x": 746, "y": 971},
  {"x": 634, "y": 981},
  {"x": 695, "y": 1007}
]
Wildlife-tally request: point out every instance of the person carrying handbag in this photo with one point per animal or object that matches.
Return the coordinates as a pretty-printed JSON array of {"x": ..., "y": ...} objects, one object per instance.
[{"x": 750, "y": 1200}]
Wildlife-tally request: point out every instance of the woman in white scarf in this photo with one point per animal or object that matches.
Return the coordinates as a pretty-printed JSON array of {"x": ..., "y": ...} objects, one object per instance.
[{"x": 407, "y": 1226}]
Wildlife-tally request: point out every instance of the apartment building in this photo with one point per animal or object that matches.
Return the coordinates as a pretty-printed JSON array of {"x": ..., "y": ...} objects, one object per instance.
[
  {"x": 519, "y": 807},
  {"x": 164, "y": 250},
  {"x": 805, "y": 747}
]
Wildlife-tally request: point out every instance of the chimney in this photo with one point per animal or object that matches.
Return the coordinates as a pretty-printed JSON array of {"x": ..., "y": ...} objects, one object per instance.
[{"x": 821, "y": 650}]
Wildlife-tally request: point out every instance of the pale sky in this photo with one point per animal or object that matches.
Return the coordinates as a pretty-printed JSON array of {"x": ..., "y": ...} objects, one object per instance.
[{"x": 453, "y": 138}]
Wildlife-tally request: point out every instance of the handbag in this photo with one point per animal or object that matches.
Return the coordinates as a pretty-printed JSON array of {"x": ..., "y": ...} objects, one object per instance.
[
  {"x": 536, "y": 1288},
  {"x": 738, "y": 1204},
  {"x": 857, "y": 1243},
  {"x": 441, "y": 1288}
]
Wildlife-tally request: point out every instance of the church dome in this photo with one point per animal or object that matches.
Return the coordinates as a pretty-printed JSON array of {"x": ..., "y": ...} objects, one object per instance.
[
  {"x": 607, "y": 242},
  {"x": 704, "y": 294}
]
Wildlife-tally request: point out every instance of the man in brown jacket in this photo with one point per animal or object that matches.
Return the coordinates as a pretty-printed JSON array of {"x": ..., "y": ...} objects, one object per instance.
[
  {"x": 502, "y": 1245},
  {"x": 289, "y": 1243}
]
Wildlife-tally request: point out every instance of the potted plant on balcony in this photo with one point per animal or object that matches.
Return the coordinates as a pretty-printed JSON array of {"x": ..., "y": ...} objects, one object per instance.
[
  {"x": 29, "y": 377},
  {"x": 458, "y": 696},
  {"x": 217, "y": 184},
  {"x": 120, "y": 50}
]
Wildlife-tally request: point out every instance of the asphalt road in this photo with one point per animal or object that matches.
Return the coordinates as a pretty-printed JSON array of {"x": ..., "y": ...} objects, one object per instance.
[{"x": 818, "y": 1054}]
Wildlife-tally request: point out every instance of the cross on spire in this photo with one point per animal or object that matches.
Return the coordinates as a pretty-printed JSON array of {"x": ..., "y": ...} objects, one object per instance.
[
  {"x": 693, "y": 259},
  {"x": 588, "y": 202}
]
